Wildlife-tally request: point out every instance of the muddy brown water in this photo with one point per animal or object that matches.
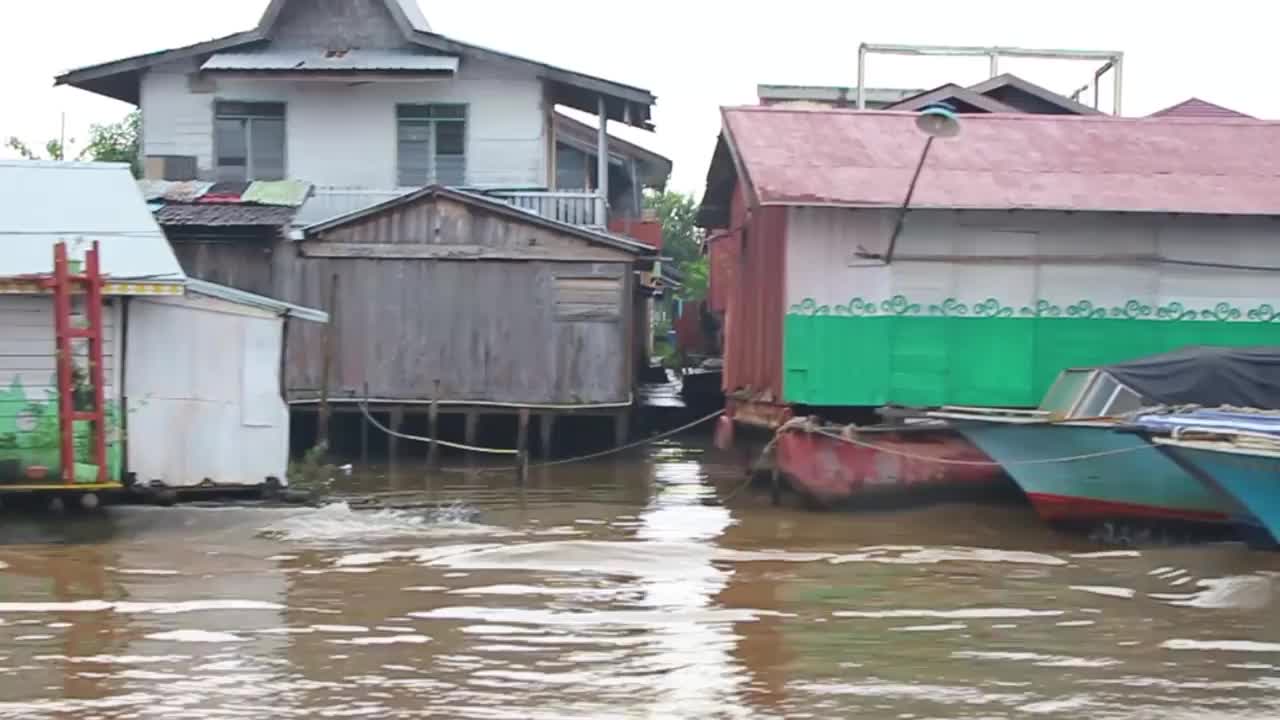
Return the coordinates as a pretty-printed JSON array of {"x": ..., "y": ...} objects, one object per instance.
[{"x": 623, "y": 590}]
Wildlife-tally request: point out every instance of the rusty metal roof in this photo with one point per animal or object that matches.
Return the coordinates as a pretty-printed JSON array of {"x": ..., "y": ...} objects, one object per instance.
[
  {"x": 857, "y": 159},
  {"x": 224, "y": 215},
  {"x": 1195, "y": 107}
]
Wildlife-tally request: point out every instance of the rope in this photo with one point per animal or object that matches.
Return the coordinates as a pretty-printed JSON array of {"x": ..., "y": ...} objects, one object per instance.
[
  {"x": 630, "y": 446},
  {"x": 975, "y": 463},
  {"x": 513, "y": 468},
  {"x": 418, "y": 438}
]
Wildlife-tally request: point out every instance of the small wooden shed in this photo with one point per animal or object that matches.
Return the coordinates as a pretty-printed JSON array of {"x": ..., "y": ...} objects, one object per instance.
[{"x": 449, "y": 296}]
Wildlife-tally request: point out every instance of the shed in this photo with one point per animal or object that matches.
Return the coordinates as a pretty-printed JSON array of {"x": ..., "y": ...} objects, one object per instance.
[
  {"x": 455, "y": 297},
  {"x": 192, "y": 370},
  {"x": 1031, "y": 243}
]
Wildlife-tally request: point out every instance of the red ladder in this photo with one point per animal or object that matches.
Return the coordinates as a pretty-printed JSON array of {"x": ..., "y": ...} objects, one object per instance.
[{"x": 64, "y": 284}]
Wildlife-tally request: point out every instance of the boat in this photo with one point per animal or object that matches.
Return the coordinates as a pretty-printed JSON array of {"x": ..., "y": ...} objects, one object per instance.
[
  {"x": 1236, "y": 452},
  {"x": 1076, "y": 469},
  {"x": 896, "y": 464}
]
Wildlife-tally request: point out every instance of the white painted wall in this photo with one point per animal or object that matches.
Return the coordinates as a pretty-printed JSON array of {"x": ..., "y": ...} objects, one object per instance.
[
  {"x": 822, "y": 242},
  {"x": 27, "y": 347},
  {"x": 203, "y": 384},
  {"x": 342, "y": 135}
]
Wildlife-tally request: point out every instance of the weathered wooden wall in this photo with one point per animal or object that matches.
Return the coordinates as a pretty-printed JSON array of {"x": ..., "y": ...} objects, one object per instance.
[
  {"x": 241, "y": 261},
  {"x": 489, "y": 306}
]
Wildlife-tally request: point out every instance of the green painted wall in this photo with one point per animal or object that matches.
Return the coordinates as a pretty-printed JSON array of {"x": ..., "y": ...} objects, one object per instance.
[
  {"x": 29, "y": 437},
  {"x": 898, "y": 352}
]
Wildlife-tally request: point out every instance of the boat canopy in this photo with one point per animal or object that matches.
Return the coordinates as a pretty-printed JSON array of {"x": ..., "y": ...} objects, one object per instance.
[{"x": 1207, "y": 376}]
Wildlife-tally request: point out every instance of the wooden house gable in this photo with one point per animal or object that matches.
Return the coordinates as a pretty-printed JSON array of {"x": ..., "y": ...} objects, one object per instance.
[
  {"x": 334, "y": 25},
  {"x": 442, "y": 227}
]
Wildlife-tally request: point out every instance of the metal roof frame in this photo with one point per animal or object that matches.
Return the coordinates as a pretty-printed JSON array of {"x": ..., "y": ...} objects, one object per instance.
[{"x": 1113, "y": 60}]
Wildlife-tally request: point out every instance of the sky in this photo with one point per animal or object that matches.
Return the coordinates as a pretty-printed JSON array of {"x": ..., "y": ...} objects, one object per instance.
[{"x": 699, "y": 55}]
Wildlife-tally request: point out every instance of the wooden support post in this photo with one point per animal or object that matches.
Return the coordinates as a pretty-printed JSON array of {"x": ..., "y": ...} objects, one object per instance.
[
  {"x": 471, "y": 427},
  {"x": 546, "y": 432},
  {"x": 326, "y": 366},
  {"x": 393, "y": 442},
  {"x": 775, "y": 488},
  {"x": 522, "y": 444},
  {"x": 433, "y": 425},
  {"x": 622, "y": 427},
  {"x": 364, "y": 441},
  {"x": 602, "y": 162}
]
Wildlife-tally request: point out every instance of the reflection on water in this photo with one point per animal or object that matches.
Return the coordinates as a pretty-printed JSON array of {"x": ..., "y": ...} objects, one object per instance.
[{"x": 622, "y": 589}]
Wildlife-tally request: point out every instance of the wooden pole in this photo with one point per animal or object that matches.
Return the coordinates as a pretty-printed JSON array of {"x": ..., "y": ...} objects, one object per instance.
[
  {"x": 522, "y": 445},
  {"x": 546, "y": 432},
  {"x": 393, "y": 442},
  {"x": 622, "y": 427},
  {"x": 775, "y": 489},
  {"x": 472, "y": 427},
  {"x": 433, "y": 428},
  {"x": 326, "y": 365}
]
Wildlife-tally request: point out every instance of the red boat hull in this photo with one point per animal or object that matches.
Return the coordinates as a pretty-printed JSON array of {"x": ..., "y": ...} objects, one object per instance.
[
  {"x": 902, "y": 468},
  {"x": 1064, "y": 509}
]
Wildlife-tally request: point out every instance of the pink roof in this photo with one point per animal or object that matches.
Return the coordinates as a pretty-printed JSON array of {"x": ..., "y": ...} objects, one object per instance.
[
  {"x": 847, "y": 158},
  {"x": 1195, "y": 107}
]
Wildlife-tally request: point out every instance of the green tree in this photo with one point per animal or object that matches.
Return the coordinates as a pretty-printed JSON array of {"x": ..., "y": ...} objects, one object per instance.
[
  {"x": 52, "y": 147},
  {"x": 681, "y": 238},
  {"x": 116, "y": 142}
]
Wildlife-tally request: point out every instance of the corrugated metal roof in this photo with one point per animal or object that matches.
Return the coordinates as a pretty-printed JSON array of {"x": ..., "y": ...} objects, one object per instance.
[
  {"x": 44, "y": 202},
  {"x": 313, "y": 60},
  {"x": 1195, "y": 107},
  {"x": 229, "y": 214},
  {"x": 222, "y": 292},
  {"x": 1042, "y": 162}
]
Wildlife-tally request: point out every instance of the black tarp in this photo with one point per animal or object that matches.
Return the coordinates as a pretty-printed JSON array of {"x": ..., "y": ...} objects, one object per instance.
[{"x": 1207, "y": 376}]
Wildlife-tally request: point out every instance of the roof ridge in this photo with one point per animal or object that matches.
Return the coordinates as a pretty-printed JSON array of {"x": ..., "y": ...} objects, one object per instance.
[{"x": 1022, "y": 117}]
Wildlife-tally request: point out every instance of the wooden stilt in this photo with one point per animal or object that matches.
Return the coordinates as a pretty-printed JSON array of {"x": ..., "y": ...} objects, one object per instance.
[
  {"x": 522, "y": 445},
  {"x": 546, "y": 432},
  {"x": 433, "y": 425},
  {"x": 364, "y": 441},
  {"x": 471, "y": 427},
  {"x": 393, "y": 442},
  {"x": 622, "y": 427}
]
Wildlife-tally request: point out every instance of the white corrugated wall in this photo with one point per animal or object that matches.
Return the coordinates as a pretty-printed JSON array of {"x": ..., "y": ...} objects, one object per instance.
[
  {"x": 203, "y": 393},
  {"x": 28, "y": 371}
]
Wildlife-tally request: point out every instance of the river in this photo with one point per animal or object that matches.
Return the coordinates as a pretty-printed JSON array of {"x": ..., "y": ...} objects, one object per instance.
[{"x": 622, "y": 589}]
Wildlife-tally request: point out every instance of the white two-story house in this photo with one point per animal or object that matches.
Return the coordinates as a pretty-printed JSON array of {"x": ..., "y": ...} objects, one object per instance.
[
  {"x": 361, "y": 96},
  {"x": 473, "y": 243}
]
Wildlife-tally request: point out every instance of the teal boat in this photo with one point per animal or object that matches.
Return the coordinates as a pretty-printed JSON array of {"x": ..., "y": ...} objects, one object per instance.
[
  {"x": 1237, "y": 453},
  {"x": 1076, "y": 469}
]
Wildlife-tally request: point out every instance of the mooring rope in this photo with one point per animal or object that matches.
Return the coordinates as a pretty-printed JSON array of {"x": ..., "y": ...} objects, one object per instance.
[
  {"x": 418, "y": 438},
  {"x": 513, "y": 468},
  {"x": 971, "y": 463}
]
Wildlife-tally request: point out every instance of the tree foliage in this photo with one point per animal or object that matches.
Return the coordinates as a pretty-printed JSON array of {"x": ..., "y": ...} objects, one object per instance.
[
  {"x": 52, "y": 148},
  {"x": 116, "y": 142},
  {"x": 681, "y": 238},
  {"x": 109, "y": 142}
]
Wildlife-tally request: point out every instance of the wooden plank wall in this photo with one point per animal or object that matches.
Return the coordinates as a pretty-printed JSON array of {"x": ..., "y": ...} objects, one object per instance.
[
  {"x": 240, "y": 261},
  {"x": 545, "y": 317}
]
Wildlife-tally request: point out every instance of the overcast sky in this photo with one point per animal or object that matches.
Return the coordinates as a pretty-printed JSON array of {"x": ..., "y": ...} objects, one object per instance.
[{"x": 697, "y": 55}]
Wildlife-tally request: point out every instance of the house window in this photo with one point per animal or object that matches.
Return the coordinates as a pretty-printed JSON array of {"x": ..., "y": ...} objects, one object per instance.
[
  {"x": 248, "y": 140},
  {"x": 431, "y": 144}
]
